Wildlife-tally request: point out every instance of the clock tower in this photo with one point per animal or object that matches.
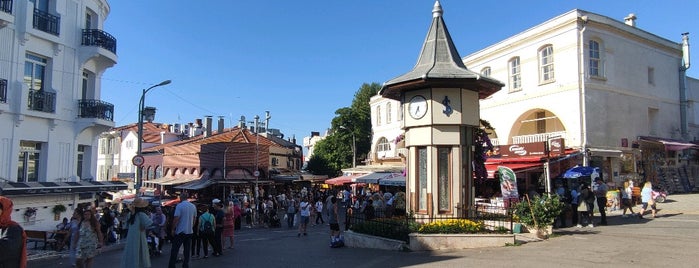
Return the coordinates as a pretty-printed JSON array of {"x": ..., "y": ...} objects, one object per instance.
[{"x": 440, "y": 102}]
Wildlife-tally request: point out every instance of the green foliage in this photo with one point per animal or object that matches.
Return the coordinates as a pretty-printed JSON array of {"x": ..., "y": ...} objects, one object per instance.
[
  {"x": 318, "y": 165},
  {"x": 452, "y": 226},
  {"x": 392, "y": 228},
  {"x": 58, "y": 209},
  {"x": 545, "y": 210}
]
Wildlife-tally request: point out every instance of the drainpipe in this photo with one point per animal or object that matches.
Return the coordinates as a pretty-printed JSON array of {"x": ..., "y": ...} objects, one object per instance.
[
  {"x": 683, "y": 86},
  {"x": 581, "y": 82}
]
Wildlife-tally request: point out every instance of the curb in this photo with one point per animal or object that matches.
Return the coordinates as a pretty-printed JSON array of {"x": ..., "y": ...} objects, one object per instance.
[{"x": 49, "y": 255}]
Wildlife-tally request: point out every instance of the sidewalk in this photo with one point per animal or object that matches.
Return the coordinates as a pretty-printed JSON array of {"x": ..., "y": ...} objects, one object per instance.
[{"x": 40, "y": 254}]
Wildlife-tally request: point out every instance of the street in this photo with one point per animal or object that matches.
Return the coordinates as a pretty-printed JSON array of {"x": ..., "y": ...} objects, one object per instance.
[{"x": 669, "y": 240}]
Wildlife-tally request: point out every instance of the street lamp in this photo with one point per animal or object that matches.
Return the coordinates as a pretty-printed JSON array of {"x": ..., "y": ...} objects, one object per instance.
[
  {"x": 354, "y": 146},
  {"x": 139, "y": 157}
]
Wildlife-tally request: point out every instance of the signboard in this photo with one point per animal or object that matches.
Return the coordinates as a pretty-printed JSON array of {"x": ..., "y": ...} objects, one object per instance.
[
  {"x": 508, "y": 183},
  {"x": 557, "y": 147}
]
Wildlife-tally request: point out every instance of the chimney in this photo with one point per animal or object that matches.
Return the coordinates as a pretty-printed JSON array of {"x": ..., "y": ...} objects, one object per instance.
[
  {"x": 630, "y": 20},
  {"x": 162, "y": 137},
  {"x": 241, "y": 123},
  {"x": 220, "y": 124},
  {"x": 209, "y": 126}
]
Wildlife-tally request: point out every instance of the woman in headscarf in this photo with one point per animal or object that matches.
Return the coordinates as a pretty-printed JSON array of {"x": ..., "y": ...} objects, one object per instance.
[
  {"x": 136, "y": 249},
  {"x": 13, "y": 240}
]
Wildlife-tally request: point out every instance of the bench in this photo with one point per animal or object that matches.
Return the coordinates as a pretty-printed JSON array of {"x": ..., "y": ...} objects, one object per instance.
[{"x": 40, "y": 237}]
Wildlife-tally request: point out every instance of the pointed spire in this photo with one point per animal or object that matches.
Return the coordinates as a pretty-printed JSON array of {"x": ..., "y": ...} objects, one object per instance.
[
  {"x": 437, "y": 10},
  {"x": 439, "y": 64}
]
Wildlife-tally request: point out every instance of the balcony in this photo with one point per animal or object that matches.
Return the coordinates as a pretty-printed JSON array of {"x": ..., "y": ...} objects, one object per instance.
[
  {"x": 96, "y": 109},
  {"x": 540, "y": 137},
  {"x": 46, "y": 22},
  {"x": 42, "y": 101},
  {"x": 6, "y": 6},
  {"x": 99, "y": 38},
  {"x": 3, "y": 91}
]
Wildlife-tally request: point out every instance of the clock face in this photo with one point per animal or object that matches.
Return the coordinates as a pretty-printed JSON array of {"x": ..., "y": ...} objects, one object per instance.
[{"x": 417, "y": 107}]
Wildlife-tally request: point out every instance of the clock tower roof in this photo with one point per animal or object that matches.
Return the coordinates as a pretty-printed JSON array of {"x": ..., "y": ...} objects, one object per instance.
[{"x": 439, "y": 65}]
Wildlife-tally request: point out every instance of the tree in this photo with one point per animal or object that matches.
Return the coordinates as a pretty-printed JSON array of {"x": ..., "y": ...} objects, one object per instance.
[{"x": 335, "y": 151}]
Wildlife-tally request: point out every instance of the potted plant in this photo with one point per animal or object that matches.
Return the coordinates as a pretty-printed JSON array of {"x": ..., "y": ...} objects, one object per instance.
[
  {"x": 539, "y": 213},
  {"x": 57, "y": 210}
]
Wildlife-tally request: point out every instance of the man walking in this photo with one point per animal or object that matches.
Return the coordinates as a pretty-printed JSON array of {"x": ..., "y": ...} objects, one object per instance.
[
  {"x": 218, "y": 234},
  {"x": 182, "y": 230},
  {"x": 601, "y": 195}
]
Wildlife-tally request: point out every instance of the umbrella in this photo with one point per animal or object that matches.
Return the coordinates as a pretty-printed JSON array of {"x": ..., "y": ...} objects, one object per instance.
[{"x": 580, "y": 171}]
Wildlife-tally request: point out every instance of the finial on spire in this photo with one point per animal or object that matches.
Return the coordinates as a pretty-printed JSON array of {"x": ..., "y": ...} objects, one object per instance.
[{"x": 437, "y": 10}]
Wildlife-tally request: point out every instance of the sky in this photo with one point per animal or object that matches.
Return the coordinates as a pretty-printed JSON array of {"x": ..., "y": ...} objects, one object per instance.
[{"x": 303, "y": 60}]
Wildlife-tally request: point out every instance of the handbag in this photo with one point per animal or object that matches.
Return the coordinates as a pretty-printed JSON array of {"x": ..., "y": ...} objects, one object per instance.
[{"x": 582, "y": 206}]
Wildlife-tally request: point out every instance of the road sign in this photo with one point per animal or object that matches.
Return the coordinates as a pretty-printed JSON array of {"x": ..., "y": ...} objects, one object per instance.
[
  {"x": 138, "y": 160},
  {"x": 256, "y": 173}
]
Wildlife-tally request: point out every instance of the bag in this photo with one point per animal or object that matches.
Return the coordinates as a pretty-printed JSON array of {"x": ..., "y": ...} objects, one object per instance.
[
  {"x": 582, "y": 206},
  {"x": 207, "y": 227},
  {"x": 337, "y": 242}
]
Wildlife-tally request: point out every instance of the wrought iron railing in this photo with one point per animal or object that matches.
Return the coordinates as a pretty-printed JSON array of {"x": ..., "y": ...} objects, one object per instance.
[
  {"x": 42, "y": 101},
  {"x": 537, "y": 137},
  {"x": 46, "y": 22},
  {"x": 3, "y": 90},
  {"x": 96, "y": 109},
  {"x": 96, "y": 37},
  {"x": 6, "y": 6}
]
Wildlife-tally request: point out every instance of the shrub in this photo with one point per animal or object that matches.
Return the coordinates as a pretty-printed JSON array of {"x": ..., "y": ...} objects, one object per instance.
[
  {"x": 543, "y": 211},
  {"x": 393, "y": 228},
  {"x": 452, "y": 226}
]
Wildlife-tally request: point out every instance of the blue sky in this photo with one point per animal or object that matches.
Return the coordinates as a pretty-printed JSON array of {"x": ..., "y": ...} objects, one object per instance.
[{"x": 302, "y": 60}]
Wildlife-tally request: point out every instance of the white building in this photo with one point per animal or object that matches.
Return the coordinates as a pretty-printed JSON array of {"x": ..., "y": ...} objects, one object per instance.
[
  {"x": 310, "y": 142},
  {"x": 610, "y": 89},
  {"x": 52, "y": 56}
]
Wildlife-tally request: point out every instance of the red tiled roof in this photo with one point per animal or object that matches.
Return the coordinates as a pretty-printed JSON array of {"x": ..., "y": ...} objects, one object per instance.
[{"x": 232, "y": 135}]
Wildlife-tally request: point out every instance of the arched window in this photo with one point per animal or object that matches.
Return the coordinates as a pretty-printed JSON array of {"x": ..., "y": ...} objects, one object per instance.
[
  {"x": 515, "y": 75},
  {"x": 378, "y": 115},
  {"x": 546, "y": 64},
  {"x": 383, "y": 145},
  {"x": 485, "y": 71},
  {"x": 596, "y": 58}
]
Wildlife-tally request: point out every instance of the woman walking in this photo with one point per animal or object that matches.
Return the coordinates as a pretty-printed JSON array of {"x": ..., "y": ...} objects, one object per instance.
[
  {"x": 647, "y": 199},
  {"x": 136, "y": 250},
  {"x": 89, "y": 239},
  {"x": 74, "y": 230},
  {"x": 229, "y": 224},
  {"x": 626, "y": 196}
]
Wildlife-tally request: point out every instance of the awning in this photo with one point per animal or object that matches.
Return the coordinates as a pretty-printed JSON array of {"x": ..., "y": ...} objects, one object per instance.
[
  {"x": 670, "y": 144},
  {"x": 373, "y": 177},
  {"x": 46, "y": 188},
  {"x": 605, "y": 152},
  {"x": 516, "y": 167},
  {"x": 342, "y": 179},
  {"x": 196, "y": 185},
  {"x": 160, "y": 181},
  {"x": 394, "y": 180}
]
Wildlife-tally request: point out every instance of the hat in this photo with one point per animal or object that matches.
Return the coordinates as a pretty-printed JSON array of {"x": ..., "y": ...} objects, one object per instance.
[
  {"x": 140, "y": 203},
  {"x": 216, "y": 201}
]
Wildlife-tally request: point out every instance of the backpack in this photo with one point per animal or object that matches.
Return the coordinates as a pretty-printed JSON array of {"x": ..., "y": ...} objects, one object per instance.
[{"x": 207, "y": 227}]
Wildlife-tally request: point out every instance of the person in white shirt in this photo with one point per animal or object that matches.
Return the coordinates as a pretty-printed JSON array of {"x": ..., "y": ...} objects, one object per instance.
[
  {"x": 319, "y": 211},
  {"x": 305, "y": 211}
]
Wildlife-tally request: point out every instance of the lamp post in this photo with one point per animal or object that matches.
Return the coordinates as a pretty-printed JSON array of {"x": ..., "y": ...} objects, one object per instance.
[
  {"x": 354, "y": 146},
  {"x": 139, "y": 156}
]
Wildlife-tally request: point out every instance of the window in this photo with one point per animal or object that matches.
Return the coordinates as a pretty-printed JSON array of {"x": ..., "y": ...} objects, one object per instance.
[
  {"x": 388, "y": 113},
  {"x": 28, "y": 161},
  {"x": 444, "y": 178},
  {"x": 515, "y": 75},
  {"x": 34, "y": 72},
  {"x": 88, "y": 21},
  {"x": 595, "y": 56},
  {"x": 275, "y": 161},
  {"x": 42, "y": 5},
  {"x": 485, "y": 71},
  {"x": 378, "y": 115},
  {"x": 383, "y": 145},
  {"x": 540, "y": 122},
  {"x": 546, "y": 64},
  {"x": 651, "y": 75},
  {"x": 86, "y": 79},
  {"x": 81, "y": 161},
  {"x": 422, "y": 179}
]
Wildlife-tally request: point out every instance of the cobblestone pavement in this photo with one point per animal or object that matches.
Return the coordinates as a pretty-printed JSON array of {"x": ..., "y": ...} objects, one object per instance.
[{"x": 669, "y": 240}]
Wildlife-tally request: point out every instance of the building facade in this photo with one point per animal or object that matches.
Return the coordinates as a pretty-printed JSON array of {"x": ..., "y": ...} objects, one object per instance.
[
  {"x": 52, "y": 57},
  {"x": 607, "y": 87}
]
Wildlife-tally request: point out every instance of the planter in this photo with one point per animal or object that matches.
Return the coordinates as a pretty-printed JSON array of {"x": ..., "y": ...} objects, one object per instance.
[
  {"x": 358, "y": 240},
  {"x": 542, "y": 233},
  {"x": 517, "y": 228},
  {"x": 430, "y": 242}
]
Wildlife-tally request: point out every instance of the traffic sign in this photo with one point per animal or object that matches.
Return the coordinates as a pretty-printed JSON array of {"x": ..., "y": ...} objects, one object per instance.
[{"x": 138, "y": 160}]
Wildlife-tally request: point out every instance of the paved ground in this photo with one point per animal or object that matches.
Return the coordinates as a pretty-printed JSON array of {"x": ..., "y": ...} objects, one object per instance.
[{"x": 670, "y": 240}]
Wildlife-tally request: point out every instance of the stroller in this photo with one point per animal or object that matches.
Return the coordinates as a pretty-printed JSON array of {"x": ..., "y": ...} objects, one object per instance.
[
  {"x": 153, "y": 242},
  {"x": 274, "y": 221}
]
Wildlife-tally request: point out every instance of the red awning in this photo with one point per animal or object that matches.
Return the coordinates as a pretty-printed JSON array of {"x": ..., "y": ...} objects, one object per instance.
[
  {"x": 342, "y": 179},
  {"x": 516, "y": 167}
]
